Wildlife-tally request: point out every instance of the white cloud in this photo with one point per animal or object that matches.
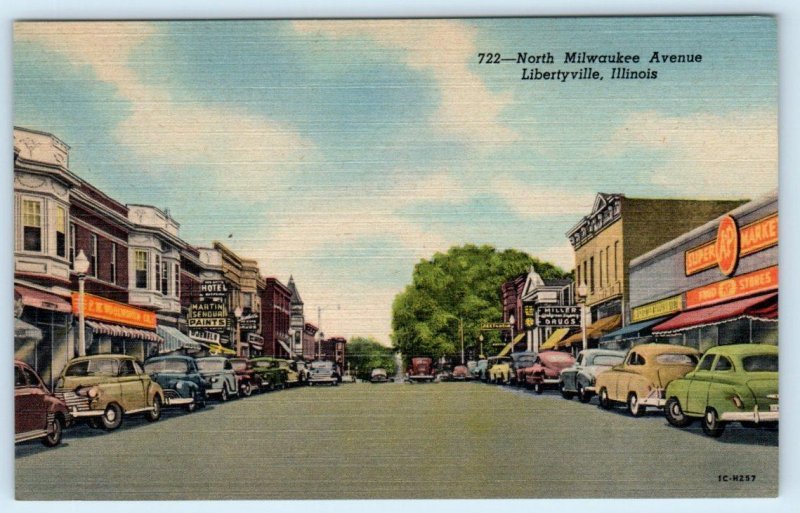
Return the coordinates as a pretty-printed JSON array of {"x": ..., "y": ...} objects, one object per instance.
[
  {"x": 706, "y": 155},
  {"x": 468, "y": 109}
]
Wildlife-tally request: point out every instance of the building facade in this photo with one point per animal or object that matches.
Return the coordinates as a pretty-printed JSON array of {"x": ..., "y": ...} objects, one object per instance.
[{"x": 279, "y": 341}]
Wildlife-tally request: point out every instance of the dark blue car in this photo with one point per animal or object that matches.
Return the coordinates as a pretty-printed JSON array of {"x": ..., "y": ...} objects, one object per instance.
[{"x": 181, "y": 380}]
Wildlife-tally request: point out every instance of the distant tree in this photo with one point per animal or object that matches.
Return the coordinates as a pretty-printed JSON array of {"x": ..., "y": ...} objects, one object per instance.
[
  {"x": 365, "y": 353},
  {"x": 462, "y": 283}
]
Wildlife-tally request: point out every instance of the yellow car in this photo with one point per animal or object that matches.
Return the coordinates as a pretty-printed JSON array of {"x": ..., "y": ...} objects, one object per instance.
[
  {"x": 103, "y": 388},
  {"x": 499, "y": 370},
  {"x": 639, "y": 381}
]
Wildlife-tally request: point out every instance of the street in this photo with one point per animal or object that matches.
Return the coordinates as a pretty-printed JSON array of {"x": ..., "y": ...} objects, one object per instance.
[{"x": 399, "y": 441}]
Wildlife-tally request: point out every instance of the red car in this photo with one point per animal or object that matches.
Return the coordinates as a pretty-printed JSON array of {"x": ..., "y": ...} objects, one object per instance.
[
  {"x": 461, "y": 373},
  {"x": 247, "y": 381},
  {"x": 37, "y": 412},
  {"x": 421, "y": 370},
  {"x": 546, "y": 369}
]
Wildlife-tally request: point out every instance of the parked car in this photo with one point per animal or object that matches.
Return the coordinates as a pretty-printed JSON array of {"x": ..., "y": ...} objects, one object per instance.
[
  {"x": 38, "y": 414},
  {"x": 546, "y": 369},
  {"x": 421, "y": 370},
  {"x": 378, "y": 376},
  {"x": 302, "y": 371},
  {"x": 499, "y": 370},
  {"x": 218, "y": 371},
  {"x": 247, "y": 381},
  {"x": 579, "y": 379},
  {"x": 520, "y": 362},
  {"x": 104, "y": 388},
  {"x": 180, "y": 379},
  {"x": 480, "y": 370},
  {"x": 461, "y": 373},
  {"x": 292, "y": 376},
  {"x": 445, "y": 374},
  {"x": 641, "y": 379},
  {"x": 323, "y": 372},
  {"x": 270, "y": 372},
  {"x": 732, "y": 383}
]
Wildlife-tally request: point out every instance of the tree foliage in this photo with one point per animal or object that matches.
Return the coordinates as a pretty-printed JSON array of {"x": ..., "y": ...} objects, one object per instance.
[
  {"x": 365, "y": 353},
  {"x": 462, "y": 283}
]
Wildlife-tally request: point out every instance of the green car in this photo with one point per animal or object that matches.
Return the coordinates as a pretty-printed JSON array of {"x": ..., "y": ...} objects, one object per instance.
[
  {"x": 270, "y": 371},
  {"x": 733, "y": 383}
]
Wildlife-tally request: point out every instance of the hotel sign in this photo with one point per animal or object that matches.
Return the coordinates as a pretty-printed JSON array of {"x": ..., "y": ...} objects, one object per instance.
[
  {"x": 102, "y": 309},
  {"x": 752, "y": 238},
  {"x": 213, "y": 289},
  {"x": 657, "y": 308},
  {"x": 739, "y": 286}
]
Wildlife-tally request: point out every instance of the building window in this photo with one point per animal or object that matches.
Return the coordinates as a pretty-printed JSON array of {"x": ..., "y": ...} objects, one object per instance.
[
  {"x": 176, "y": 275},
  {"x": 61, "y": 232},
  {"x": 591, "y": 275},
  {"x": 164, "y": 278},
  {"x": 600, "y": 269},
  {"x": 584, "y": 273},
  {"x": 32, "y": 225},
  {"x": 616, "y": 257},
  {"x": 113, "y": 266},
  {"x": 608, "y": 276},
  {"x": 72, "y": 243},
  {"x": 93, "y": 257},
  {"x": 140, "y": 258},
  {"x": 247, "y": 300},
  {"x": 157, "y": 285}
]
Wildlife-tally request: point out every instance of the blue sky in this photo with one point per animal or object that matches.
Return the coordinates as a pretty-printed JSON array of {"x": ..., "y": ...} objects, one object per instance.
[{"x": 343, "y": 152}]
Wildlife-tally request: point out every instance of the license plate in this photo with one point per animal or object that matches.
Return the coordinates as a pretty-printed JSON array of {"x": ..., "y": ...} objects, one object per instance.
[{"x": 773, "y": 407}]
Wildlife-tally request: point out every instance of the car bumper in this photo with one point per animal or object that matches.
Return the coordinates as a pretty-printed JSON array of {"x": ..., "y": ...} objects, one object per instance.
[
  {"x": 177, "y": 401},
  {"x": 750, "y": 416},
  {"x": 420, "y": 377},
  {"x": 655, "y": 399},
  {"x": 322, "y": 380},
  {"x": 76, "y": 413}
]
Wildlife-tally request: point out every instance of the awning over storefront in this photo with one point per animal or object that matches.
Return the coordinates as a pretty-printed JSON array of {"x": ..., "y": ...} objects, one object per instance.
[
  {"x": 23, "y": 330},
  {"x": 763, "y": 307},
  {"x": 631, "y": 331},
  {"x": 117, "y": 330},
  {"x": 554, "y": 339},
  {"x": 174, "y": 339},
  {"x": 44, "y": 300},
  {"x": 510, "y": 346},
  {"x": 593, "y": 331},
  {"x": 218, "y": 349}
]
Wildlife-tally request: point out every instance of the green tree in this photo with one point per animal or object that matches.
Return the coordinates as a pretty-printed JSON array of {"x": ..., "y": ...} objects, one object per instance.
[
  {"x": 365, "y": 353},
  {"x": 463, "y": 283}
]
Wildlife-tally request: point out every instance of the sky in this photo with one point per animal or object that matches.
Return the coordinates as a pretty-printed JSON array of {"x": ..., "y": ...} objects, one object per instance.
[{"x": 343, "y": 152}]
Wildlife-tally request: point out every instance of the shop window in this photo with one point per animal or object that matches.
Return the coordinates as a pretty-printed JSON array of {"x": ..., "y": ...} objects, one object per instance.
[
  {"x": 764, "y": 332},
  {"x": 93, "y": 258},
  {"x": 141, "y": 269},
  {"x": 32, "y": 225},
  {"x": 61, "y": 232},
  {"x": 113, "y": 263}
]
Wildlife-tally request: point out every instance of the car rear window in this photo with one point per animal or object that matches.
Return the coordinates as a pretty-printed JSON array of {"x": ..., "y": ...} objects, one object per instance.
[
  {"x": 760, "y": 363},
  {"x": 607, "y": 360},
  {"x": 166, "y": 366},
  {"x": 93, "y": 368},
  {"x": 676, "y": 359}
]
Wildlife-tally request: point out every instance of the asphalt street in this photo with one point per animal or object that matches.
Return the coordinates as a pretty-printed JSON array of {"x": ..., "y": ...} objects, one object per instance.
[{"x": 395, "y": 441}]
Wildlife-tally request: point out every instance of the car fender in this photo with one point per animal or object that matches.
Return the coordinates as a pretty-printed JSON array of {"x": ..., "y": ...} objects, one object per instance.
[
  {"x": 679, "y": 389},
  {"x": 638, "y": 384},
  {"x": 720, "y": 397}
]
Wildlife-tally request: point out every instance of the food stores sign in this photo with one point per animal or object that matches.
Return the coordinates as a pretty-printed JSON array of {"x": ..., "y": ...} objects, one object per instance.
[
  {"x": 102, "y": 309},
  {"x": 744, "y": 285},
  {"x": 731, "y": 243}
]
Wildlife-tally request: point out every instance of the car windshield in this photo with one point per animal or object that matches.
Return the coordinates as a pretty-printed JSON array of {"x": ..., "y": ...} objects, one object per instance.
[
  {"x": 239, "y": 365},
  {"x": 263, "y": 364},
  {"x": 378, "y": 372},
  {"x": 167, "y": 365},
  {"x": 526, "y": 362},
  {"x": 92, "y": 368},
  {"x": 677, "y": 359},
  {"x": 210, "y": 365},
  {"x": 608, "y": 360},
  {"x": 321, "y": 365},
  {"x": 760, "y": 363}
]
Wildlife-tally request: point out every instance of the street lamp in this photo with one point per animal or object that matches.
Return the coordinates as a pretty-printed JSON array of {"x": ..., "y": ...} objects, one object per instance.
[
  {"x": 290, "y": 332},
  {"x": 319, "y": 336},
  {"x": 582, "y": 291},
  {"x": 512, "y": 320},
  {"x": 81, "y": 266},
  {"x": 237, "y": 314},
  {"x": 480, "y": 339}
]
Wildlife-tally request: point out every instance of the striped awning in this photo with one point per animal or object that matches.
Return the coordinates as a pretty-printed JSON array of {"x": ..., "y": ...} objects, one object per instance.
[
  {"x": 554, "y": 339},
  {"x": 23, "y": 330},
  {"x": 174, "y": 339},
  {"x": 510, "y": 346},
  {"x": 117, "y": 330},
  {"x": 595, "y": 330},
  {"x": 219, "y": 349}
]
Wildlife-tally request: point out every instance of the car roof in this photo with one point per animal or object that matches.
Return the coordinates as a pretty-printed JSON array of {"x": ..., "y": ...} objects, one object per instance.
[
  {"x": 604, "y": 352},
  {"x": 169, "y": 357},
  {"x": 113, "y": 356},
  {"x": 743, "y": 349},
  {"x": 656, "y": 349}
]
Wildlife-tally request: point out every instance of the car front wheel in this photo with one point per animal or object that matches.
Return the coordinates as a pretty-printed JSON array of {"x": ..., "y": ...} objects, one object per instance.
[
  {"x": 53, "y": 437},
  {"x": 538, "y": 388},
  {"x": 112, "y": 417},
  {"x": 192, "y": 406},
  {"x": 604, "y": 400},
  {"x": 564, "y": 392},
  {"x": 154, "y": 414},
  {"x": 583, "y": 395},
  {"x": 712, "y": 426},
  {"x": 674, "y": 413},
  {"x": 247, "y": 389},
  {"x": 224, "y": 396}
]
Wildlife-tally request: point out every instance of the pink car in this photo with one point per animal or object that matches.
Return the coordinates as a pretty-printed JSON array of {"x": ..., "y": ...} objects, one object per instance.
[{"x": 546, "y": 369}]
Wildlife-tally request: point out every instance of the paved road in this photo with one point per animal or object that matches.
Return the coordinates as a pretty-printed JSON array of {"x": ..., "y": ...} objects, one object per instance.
[{"x": 442, "y": 440}]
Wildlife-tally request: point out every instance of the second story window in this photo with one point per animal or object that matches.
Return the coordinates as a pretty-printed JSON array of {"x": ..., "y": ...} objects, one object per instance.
[
  {"x": 176, "y": 276},
  {"x": 93, "y": 258},
  {"x": 113, "y": 266},
  {"x": 31, "y": 225},
  {"x": 61, "y": 232},
  {"x": 158, "y": 273},
  {"x": 140, "y": 261},
  {"x": 72, "y": 242},
  {"x": 165, "y": 278}
]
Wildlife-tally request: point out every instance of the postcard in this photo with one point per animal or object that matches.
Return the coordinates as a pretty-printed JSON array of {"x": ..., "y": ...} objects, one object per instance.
[{"x": 396, "y": 258}]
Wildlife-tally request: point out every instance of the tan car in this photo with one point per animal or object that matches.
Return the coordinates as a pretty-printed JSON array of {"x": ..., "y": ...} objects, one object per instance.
[
  {"x": 500, "y": 370},
  {"x": 639, "y": 381},
  {"x": 103, "y": 388}
]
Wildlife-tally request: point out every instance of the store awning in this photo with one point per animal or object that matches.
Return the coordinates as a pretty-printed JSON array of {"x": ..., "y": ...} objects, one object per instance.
[
  {"x": 44, "y": 300},
  {"x": 23, "y": 330},
  {"x": 218, "y": 349},
  {"x": 174, "y": 339},
  {"x": 554, "y": 339},
  {"x": 595, "y": 330},
  {"x": 763, "y": 307},
  {"x": 636, "y": 330},
  {"x": 511, "y": 344},
  {"x": 117, "y": 330}
]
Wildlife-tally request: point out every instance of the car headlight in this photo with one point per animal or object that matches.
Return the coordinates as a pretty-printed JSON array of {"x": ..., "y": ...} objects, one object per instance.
[
  {"x": 179, "y": 385},
  {"x": 214, "y": 379}
]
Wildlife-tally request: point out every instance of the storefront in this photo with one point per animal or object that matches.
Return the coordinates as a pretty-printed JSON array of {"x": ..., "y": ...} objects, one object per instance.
[{"x": 715, "y": 285}]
